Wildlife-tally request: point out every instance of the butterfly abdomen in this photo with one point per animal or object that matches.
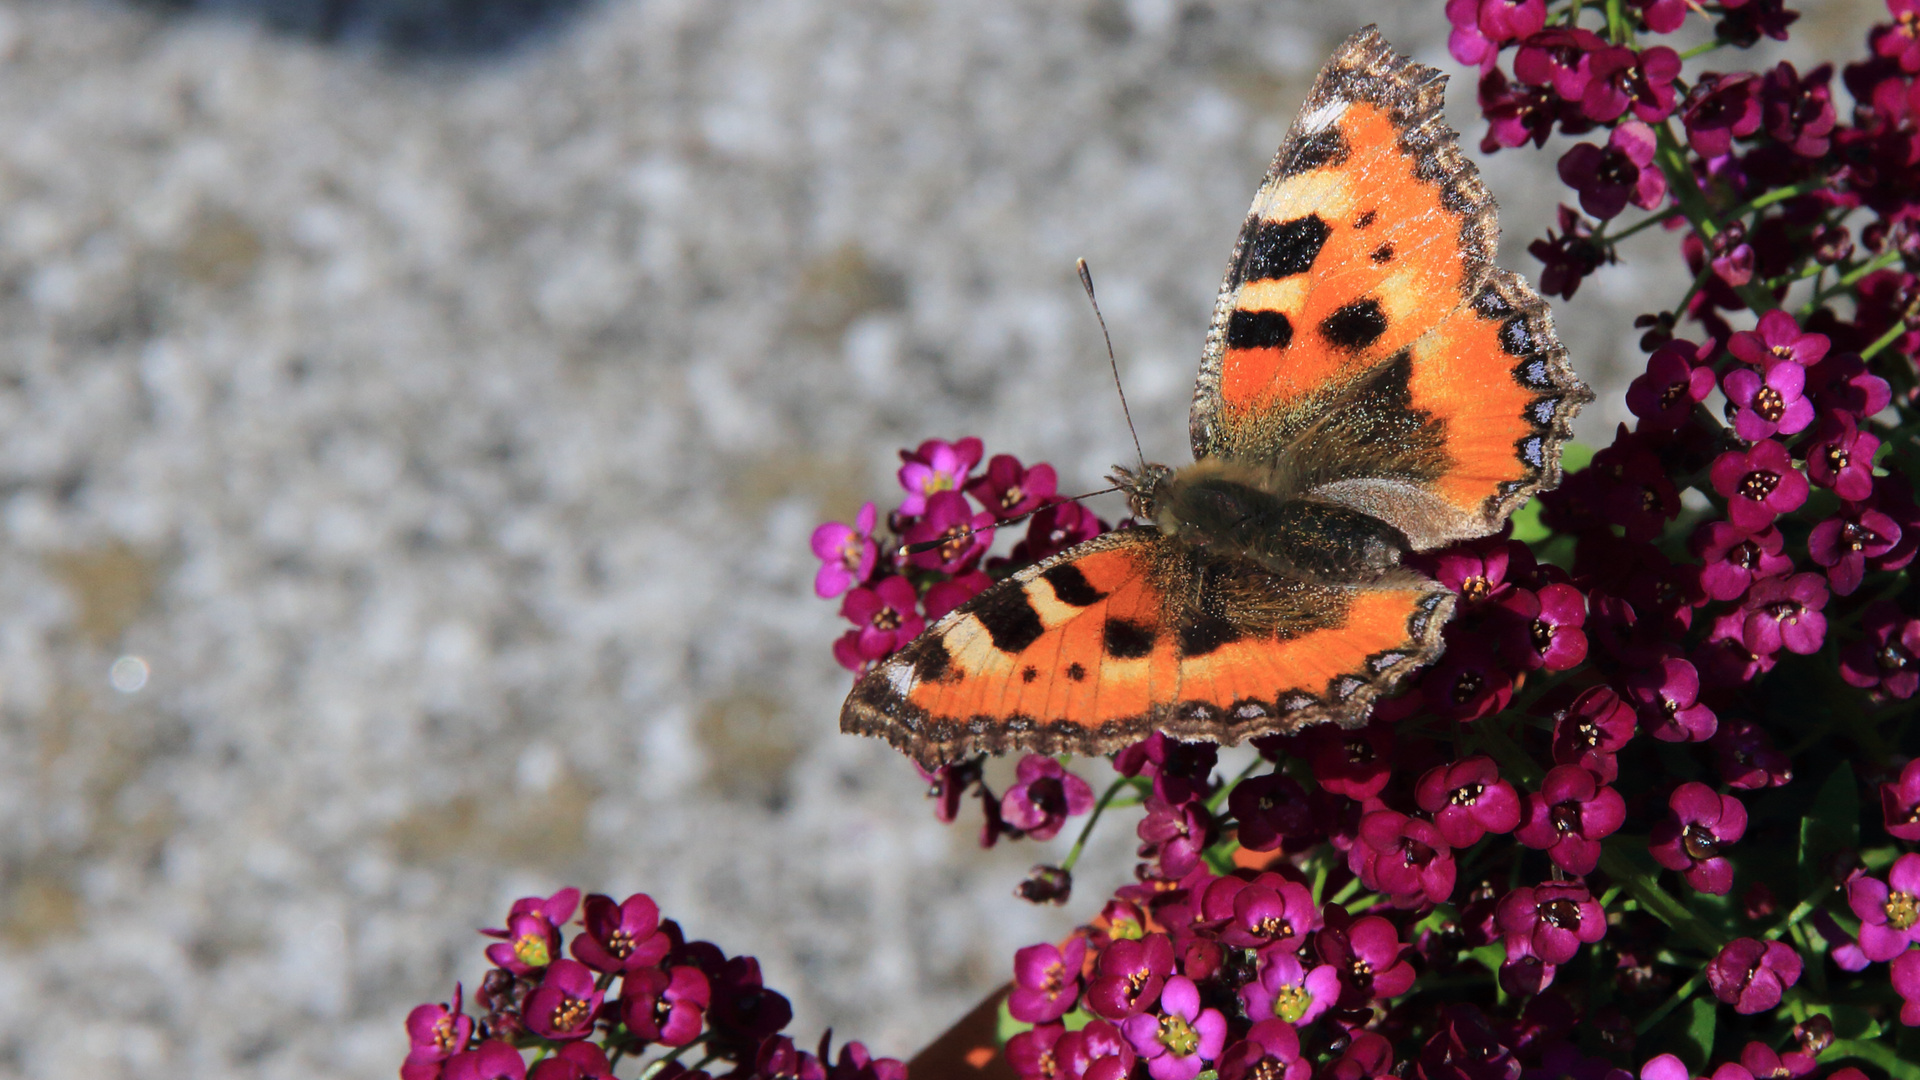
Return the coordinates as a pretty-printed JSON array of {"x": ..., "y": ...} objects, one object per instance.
[{"x": 1233, "y": 512}]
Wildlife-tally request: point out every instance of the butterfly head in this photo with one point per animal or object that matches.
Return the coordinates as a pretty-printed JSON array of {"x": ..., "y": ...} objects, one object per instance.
[{"x": 1142, "y": 487}]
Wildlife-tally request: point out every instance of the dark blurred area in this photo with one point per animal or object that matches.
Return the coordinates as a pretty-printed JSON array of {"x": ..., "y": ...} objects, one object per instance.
[{"x": 424, "y": 28}]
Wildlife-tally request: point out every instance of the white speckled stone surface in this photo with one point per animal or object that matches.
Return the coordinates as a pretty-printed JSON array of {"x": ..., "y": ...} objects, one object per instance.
[{"x": 443, "y": 440}]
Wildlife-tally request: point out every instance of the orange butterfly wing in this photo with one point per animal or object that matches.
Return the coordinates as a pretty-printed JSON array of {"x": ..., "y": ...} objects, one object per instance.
[
  {"x": 1364, "y": 342},
  {"x": 1096, "y": 647}
]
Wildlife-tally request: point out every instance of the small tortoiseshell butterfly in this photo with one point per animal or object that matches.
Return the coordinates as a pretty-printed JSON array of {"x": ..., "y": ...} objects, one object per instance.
[{"x": 1372, "y": 385}]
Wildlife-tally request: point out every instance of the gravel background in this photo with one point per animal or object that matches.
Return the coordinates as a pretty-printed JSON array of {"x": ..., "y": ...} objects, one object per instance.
[{"x": 409, "y": 440}]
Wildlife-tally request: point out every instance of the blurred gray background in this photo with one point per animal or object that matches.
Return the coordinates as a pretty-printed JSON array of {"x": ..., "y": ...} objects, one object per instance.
[{"x": 412, "y": 417}]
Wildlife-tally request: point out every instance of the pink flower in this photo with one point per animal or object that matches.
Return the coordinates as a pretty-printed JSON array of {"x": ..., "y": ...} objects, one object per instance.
[
  {"x": 1043, "y": 796},
  {"x": 951, "y": 537},
  {"x": 1179, "y": 1043},
  {"x": 1367, "y": 955},
  {"x": 1569, "y": 816},
  {"x": 1009, "y": 491},
  {"x": 621, "y": 937},
  {"x": 491, "y": 1060},
  {"x": 1888, "y": 658},
  {"x": 846, "y": 553},
  {"x": 1889, "y": 911},
  {"x": 935, "y": 467},
  {"x": 1664, "y": 396},
  {"x": 563, "y": 1005},
  {"x": 1750, "y": 974},
  {"x": 1551, "y": 920},
  {"x": 1289, "y": 990},
  {"x": 1759, "y": 484},
  {"x": 531, "y": 939},
  {"x": 886, "y": 614},
  {"x": 1843, "y": 544},
  {"x": 1905, "y": 974},
  {"x": 1777, "y": 338},
  {"x": 1770, "y": 402},
  {"x": 1693, "y": 838},
  {"x": 1404, "y": 857},
  {"x": 1732, "y": 558},
  {"x": 434, "y": 1034},
  {"x": 1046, "y": 981},
  {"x": 667, "y": 1007},
  {"x": 1468, "y": 799}
]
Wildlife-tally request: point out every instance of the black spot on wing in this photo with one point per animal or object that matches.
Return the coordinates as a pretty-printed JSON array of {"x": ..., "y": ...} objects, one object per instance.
[
  {"x": 1259, "y": 330},
  {"x": 1076, "y": 672},
  {"x": 1316, "y": 151},
  {"x": 1282, "y": 248},
  {"x": 931, "y": 664},
  {"x": 1383, "y": 253},
  {"x": 1126, "y": 640},
  {"x": 1072, "y": 586},
  {"x": 1009, "y": 618},
  {"x": 1029, "y": 673},
  {"x": 1203, "y": 632},
  {"x": 1354, "y": 326},
  {"x": 1365, "y": 220}
]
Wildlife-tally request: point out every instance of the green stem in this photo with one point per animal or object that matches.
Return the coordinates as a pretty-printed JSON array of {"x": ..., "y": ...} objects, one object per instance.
[
  {"x": 1893, "y": 334},
  {"x": 1849, "y": 279},
  {"x": 1213, "y": 804},
  {"x": 1686, "y": 191},
  {"x": 1657, "y": 901},
  {"x": 1876, "y": 1052},
  {"x": 1702, "y": 49},
  {"x": 1080, "y": 843},
  {"x": 1678, "y": 999},
  {"x": 1645, "y": 223}
]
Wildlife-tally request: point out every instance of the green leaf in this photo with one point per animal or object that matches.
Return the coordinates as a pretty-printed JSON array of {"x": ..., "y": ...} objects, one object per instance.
[
  {"x": 1696, "y": 1042},
  {"x": 1832, "y": 826},
  {"x": 1005, "y": 1026},
  {"x": 1876, "y": 1052}
]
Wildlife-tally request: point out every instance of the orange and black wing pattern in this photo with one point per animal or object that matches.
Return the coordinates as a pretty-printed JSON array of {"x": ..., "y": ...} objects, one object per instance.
[
  {"x": 1134, "y": 632},
  {"x": 1364, "y": 343}
]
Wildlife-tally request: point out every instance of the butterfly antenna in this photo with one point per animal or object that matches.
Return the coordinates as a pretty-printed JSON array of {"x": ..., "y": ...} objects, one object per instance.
[
  {"x": 1086, "y": 282},
  {"x": 929, "y": 545}
]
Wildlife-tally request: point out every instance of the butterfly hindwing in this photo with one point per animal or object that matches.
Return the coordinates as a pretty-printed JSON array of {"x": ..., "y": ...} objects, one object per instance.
[
  {"x": 1133, "y": 632},
  {"x": 1364, "y": 342}
]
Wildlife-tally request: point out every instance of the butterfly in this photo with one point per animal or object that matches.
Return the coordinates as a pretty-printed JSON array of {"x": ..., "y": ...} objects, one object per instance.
[{"x": 1372, "y": 386}]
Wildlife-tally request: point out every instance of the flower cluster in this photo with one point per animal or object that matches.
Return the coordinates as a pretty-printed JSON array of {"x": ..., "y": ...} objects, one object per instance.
[
  {"x": 1617, "y": 829},
  {"x": 634, "y": 989},
  {"x": 932, "y": 557}
]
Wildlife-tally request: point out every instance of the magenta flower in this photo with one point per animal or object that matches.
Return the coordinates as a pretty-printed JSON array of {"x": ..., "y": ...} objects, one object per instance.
[
  {"x": 1665, "y": 394},
  {"x": 1843, "y": 544},
  {"x": 1289, "y": 990},
  {"x": 935, "y": 467},
  {"x": 1887, "y": 660},
  {"x": 1840, "y": 456},
  {"x": 1516, "y": 113},
  {"x": 1747, "y": 758},
  {"x": 1798, "y": 112},
  {"x": 1669, "y": 698},
  {"x": 667, "y": 1007},
  {"x": 1777, "y": 338},
  {"x": 434, "y": 1034},
  {"x": 1130, "y": 976},
  {"x": 1404, "y": 857},
  {"x": 1621, "y": 173},
  {"x": 846, "y": 553},
  {"x": 1889, "y": 911},
  {"x": 1009, "y": 490},
  {"x": 1569, "y": 816},
  {"x": 1548, "y": 627},
  {"x": 1900, "y": 41},
  {"x": 1505, "y": 20},
  {"x": 1046, "y": 981},
  {"x": 563, "y": 1005},
  {"x": 1591, "y": 731},
  {"x": 491, "y": 1060},
  {"x": 1043, "y": 796},
  {"x": 1550, "y": 920},
  {"x": 1481, "y": 572},
  {"x": 1077, "y": 1052},
  {"x": 1769, "y": 401},
  {"x": 1356, "y": 764},
  {"x": 1468, "y": 682},
  {"x": 1725, "y": 659},
  {"x": 1054, "y": 528},
  {"x": 887, "y": 616},
  {"x": 1692, "y": 839},
  {"x": 1558, "y": 58},
  {"x": 1750, "y": 974},
  {"x": 1905, "y": 974},
  {"x": 1662, "y": 16},
  {"x": 1468, "y": 799},
  {"x": 1268, "y": 913},
  {"x": 742, "y": 1004},
  {"x": 1570, "y": 257},
  {"x": 621, "y": 937},
  {"x": 1843, "y": 382},
  {"x": 1367, "y": 957},
  {"x": 1759, "y": 484},
  {"x": 1174, "y": 834},
  {"x": 1786, "y": 613},
  {"x": 1732, "y": 558},
  {"x": 1271, "y": 1051},
  {"x": 1271, "y": 809},
  {"x": 1467, "y": 42},
  {"x": 943, "y": 596},
  {"x": 960, "y": 534},
  {"x": 1721, "y": 108},
  {"x": 531, "y": 939},
  {"x": 1177, "y": 1044},
  {"x": 1032, "y": 1054},
  {"x": 1619, "y": 79},
  {"x": 574, "y": 1061}
]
